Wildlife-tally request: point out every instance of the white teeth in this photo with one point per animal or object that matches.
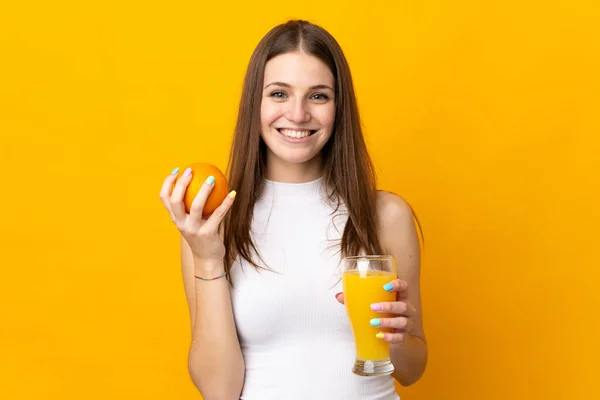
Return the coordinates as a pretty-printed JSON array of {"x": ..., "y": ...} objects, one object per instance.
[{"x": 294, "y": 134}]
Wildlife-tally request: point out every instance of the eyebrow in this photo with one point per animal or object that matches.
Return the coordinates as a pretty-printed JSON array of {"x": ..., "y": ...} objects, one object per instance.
[{"x": 288, "y": 86}]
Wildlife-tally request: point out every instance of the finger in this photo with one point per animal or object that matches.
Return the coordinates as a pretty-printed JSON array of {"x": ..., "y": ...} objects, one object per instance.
[
  {"x": 166, "y": 189},
  {"x": 411, "y": 309},
  {"x": 397, "y": 285},
  {"x": 178, "y": 192},
  {"x": 393, "y": 307},
  {"x": 394, "y": 338},
  {"x": 401, "y": 323},
  {"x": 213, "y": 222},
  {"x": 340, "y": 297},
  {"x": 197, "y": 205}
]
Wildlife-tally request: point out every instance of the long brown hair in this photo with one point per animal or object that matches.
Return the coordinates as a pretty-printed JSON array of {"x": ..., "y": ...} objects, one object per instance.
[{"x": 347, "y": 167}]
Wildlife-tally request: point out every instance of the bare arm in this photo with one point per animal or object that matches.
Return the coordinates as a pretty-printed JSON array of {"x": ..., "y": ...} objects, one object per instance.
[
  {"x": 399, "y": 238},
  {"x": 215, "y": 360}
]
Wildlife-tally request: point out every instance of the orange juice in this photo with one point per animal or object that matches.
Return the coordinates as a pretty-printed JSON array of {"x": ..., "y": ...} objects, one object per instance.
[{"x": 359, "y": 293}]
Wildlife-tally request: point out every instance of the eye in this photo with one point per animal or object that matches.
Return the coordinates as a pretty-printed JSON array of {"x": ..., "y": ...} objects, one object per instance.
[
  {"x": 320, "y": 96},
  {"x": 278, "y": 94}
]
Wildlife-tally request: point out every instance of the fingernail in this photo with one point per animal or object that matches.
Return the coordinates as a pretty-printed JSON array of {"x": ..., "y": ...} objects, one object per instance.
[
  {"x": 188, "y": 172},
  {"x": 210, "y": 180},
  {"x": 375, "y": 322},
  {"x": 337, "y": 294},
  {"x": 380, "y": 335},
  {"x": 388, "y": 286},
  {"x": 176, "y": 170},
  {"x": 232, "y": 194},
  {"x": 376, "y": 306}
]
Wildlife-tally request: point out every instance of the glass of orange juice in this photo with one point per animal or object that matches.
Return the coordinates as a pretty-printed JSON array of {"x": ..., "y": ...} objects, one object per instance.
[{"x": 363, "y": 279}]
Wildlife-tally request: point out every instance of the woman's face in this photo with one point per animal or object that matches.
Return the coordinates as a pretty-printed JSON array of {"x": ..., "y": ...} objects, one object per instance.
[{"x": 298, "y": 108}]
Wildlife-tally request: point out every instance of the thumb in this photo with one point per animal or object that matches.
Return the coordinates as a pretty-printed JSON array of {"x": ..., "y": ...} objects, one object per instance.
[{"x": 340, "y": 297}]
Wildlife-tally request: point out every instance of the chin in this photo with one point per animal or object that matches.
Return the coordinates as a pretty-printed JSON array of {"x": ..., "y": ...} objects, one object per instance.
[{"x": 293, "y": 157}]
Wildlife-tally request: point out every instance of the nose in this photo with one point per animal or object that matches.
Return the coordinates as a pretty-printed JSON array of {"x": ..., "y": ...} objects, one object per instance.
[{"x": 298, "y": 112}]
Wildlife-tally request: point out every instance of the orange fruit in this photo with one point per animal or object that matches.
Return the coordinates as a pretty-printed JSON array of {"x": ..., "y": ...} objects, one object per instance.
[{"x": 200, "y": 172}]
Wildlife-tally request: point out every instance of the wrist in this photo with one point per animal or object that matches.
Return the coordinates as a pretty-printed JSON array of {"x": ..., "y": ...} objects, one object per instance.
[{"x": 208, "y": 268}]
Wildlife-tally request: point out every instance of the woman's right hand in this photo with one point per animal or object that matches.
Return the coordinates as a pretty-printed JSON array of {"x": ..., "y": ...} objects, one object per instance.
[{"x": 202, "y": 235}]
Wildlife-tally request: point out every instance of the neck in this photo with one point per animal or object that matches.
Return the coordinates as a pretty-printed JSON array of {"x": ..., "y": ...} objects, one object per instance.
[{"x": 280, "y": 171}]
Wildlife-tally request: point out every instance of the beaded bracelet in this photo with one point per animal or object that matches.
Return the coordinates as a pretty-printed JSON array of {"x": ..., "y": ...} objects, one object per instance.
[{"x": 211, "y": 279}]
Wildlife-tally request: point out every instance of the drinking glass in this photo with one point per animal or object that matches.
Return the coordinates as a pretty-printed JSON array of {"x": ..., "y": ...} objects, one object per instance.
[{"x": 363, "y": 279}]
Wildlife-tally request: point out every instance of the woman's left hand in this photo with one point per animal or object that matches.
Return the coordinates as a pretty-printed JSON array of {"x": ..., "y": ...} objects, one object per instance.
[{"x": 401, "y": 324}]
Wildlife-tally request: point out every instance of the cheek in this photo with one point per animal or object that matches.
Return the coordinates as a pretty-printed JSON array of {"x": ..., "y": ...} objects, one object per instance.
[
  {"x": 269, "y": 113},
  {"x": 326, "y": 116}
]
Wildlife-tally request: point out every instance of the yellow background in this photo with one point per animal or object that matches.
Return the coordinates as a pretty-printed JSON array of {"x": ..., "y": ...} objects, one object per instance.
[{"x": 483, "y": 115}]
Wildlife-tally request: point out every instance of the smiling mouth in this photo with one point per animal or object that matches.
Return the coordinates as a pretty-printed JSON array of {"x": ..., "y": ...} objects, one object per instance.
[{"x": 296, "y": 134}]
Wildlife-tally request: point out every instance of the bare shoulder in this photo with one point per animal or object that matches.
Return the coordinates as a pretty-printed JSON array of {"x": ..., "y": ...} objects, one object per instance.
[
  {"x": 397, "y": 227},
  {"x": 392, "y": 207}
]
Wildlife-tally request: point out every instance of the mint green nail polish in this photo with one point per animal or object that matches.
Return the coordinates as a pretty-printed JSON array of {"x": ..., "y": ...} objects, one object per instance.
[
  {"x": 388, "y": 286},
  {"x": 210, "y": 180},
  {"x": 176, "y": 170},
  {"x": 375, "y": 322}
]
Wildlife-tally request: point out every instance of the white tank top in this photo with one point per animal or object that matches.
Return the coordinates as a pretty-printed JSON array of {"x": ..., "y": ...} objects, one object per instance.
[{"x": 295, "y": 337}]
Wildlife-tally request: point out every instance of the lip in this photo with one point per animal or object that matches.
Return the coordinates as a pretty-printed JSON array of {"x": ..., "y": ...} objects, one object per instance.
[
  {"x": 295, "y": 129},
  {"x": 296, "y": 140}
]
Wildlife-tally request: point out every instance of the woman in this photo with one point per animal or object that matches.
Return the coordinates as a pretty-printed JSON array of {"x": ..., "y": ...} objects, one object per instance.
[{"x": 262, "y": 273}]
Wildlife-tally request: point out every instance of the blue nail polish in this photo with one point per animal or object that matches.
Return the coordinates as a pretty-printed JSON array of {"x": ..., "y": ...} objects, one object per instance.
[
  {"x": 176, "y": 170},
  {"x": 375, "y": 322},
  {"x": 210, "y": 180},
  {"x": 388, "y": 286}
]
